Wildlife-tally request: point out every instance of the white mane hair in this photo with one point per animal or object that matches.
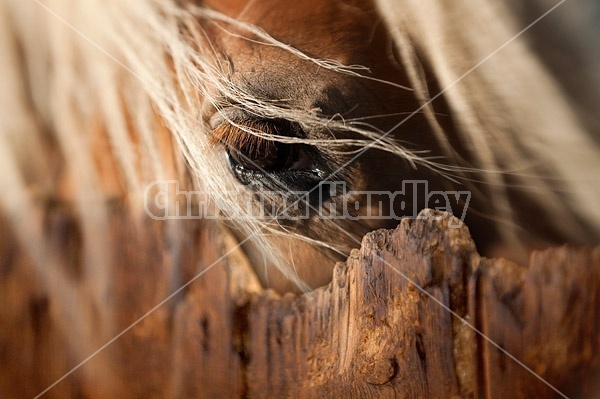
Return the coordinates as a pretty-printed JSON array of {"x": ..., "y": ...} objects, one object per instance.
[
  {"x": 514, "y": 105},
  {"x": 126, "y": 80}
]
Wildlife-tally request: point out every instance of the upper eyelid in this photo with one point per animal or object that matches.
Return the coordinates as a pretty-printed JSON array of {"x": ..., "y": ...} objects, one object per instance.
[
  {"x": 216, "y": 120},
  {"x": 226, "y": 114},
  {"x": 234, "y": 114}
]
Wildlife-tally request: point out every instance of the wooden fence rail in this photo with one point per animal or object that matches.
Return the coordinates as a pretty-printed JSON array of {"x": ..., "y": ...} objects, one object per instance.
[{"x": 415, "y": 313}]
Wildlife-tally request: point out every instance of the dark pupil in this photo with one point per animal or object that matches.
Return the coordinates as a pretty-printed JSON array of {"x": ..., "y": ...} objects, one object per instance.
[{"x": 267, "y": 155}]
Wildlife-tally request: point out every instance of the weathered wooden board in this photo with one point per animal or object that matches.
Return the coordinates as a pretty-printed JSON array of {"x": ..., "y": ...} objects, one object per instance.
[{"x": 408, "y": 315}]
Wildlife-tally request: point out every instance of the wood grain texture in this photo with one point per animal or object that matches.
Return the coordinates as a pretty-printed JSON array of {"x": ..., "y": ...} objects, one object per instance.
[{"x": 406, "y": 316}]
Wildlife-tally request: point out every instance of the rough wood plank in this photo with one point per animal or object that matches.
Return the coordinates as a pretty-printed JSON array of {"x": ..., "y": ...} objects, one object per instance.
[
  {"x": 370, "y": 333},
  {"x": 548, "y": 317}
]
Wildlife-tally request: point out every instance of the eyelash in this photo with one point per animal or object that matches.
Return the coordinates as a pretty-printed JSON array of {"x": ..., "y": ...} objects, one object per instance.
[{"x": 269, "y": 163}]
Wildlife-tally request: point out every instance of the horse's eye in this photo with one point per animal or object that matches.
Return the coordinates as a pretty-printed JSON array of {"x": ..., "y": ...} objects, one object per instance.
[
  {"x": 266, "y": 155},
  {"x": 272, "y": 164}
]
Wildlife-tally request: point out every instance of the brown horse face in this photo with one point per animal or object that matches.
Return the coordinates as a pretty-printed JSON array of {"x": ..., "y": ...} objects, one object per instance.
[{"x": 350, "y": 33}]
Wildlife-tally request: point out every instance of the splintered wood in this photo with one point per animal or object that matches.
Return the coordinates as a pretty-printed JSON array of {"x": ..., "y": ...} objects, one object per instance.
[{"x": 415, "y": 313}]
